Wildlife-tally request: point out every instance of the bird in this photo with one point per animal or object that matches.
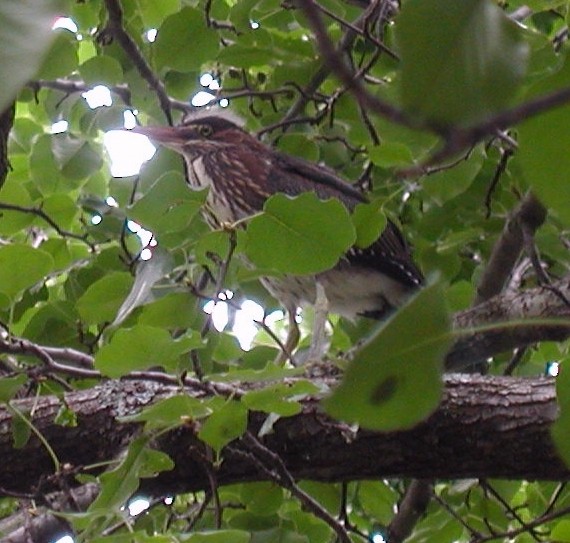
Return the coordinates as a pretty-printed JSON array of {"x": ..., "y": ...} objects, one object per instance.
[{"x": 241, "y": 173}]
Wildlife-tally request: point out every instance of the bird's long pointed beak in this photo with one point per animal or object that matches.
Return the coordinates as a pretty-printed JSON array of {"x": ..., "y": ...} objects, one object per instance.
[{"x": 168, "y": 136}]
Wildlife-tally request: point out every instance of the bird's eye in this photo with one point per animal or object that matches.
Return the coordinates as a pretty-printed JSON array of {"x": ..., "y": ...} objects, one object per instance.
[{"x": 205, "y": 130}]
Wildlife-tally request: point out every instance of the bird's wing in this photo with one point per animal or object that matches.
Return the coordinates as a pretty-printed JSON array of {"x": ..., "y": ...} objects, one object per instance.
[{"x": 327, "y": 183}]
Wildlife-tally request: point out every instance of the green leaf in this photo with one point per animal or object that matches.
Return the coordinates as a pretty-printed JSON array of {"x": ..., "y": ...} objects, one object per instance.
[
  {"x": 561, "y": 531},
  {"x": 279, "y": 399},
  {"x": 465, "y": 67},
  {"x": 450, "y": 182},
  {"x": 153, "y": 13},
  {"x": 75, "y": 157},
  {"x": 369, "y": 222},
  {"x": 560, "y": 430},
  {"x": 21, "y": 267},
  {"x": 178, "y": 36},
  {"x": 175, "y": 310},
  {"x": 141, "y": 347},
  {"x": 262, "y": 498},
  {"x": 9, "y": 386},
  {"x": 543, "y": 150},
  {"x": 102, "y": 300},
  {"x": 61, "y": 208},
  {"x": 219, "y": 536},
  {"x": 390, "y": 154},
  {"x": 225, "y": 424},
  {"x": 299, "y": 235},
  {"x": 61, "y": 58},
  {"x": 119, "y": 484},
  {"x": 168, "y": 206},
  {"x": 394, "y": 382},
  {"x": 147, "y": 274},
  {"x": 101, "y": 70},
  {"x": 170, "y": 412},
  {"x": 24, "y": 40}
]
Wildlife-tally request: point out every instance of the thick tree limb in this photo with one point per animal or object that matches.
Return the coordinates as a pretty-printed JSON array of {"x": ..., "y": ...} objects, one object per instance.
[
  {"x": 530, "y": 215},
  {"x": 501, "y": 326},
  {"x": 482, "y": 424}
]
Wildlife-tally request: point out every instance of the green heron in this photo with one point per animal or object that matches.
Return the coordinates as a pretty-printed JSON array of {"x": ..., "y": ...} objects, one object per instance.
[{"x": 242, "y": 173}]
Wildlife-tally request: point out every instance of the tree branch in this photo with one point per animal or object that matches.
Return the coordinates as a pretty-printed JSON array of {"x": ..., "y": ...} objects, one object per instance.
[
  {"x": 455, "y": 442},
  {"x": 530, "y": 214}
]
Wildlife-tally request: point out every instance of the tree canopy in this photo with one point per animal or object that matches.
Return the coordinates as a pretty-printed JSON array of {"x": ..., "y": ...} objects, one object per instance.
[{"x": 442, "y": 423}]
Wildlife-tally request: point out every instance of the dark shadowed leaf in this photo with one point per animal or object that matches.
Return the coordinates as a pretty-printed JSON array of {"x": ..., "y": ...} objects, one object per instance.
[
  {"x": 544, "y": 144},
  {"x": 394, "y": 383},
  {"x": 463, "y": 68}
]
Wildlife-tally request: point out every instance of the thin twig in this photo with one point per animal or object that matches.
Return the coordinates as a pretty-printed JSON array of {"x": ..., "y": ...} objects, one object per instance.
[
  {"x": 114, "y": 29},
  {"x": 272, "y": 465},
  {"x": 39, "y": 212}
]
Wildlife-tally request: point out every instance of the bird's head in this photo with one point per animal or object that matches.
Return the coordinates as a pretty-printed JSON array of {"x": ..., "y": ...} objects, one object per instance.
[{"x": 199, "y": 133}]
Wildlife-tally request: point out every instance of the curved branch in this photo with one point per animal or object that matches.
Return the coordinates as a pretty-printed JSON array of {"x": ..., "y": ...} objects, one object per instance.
[
  {"x": 530, "y": 214},
  {"x": 508, "y": 322}
]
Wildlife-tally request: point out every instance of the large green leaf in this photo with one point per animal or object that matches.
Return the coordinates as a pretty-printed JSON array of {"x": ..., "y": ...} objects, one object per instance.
[
  {"x": 544, "y": 142},
  {"x": 226, "y": 423},
  {"x": 461, "y": 61},
  {"x": 118, "y": 485},
  {"x": 394, "y": 382},
  {"x": 24, "y": 40},
  {"x": 184, "y": 42},
  {"x": 142, "y": 347},
  {"x": 102, "y": 300},
  {"x": 299, "y": 235},
  {"x": 560, "y": 430},
  {"x": 21, "y": 267}
]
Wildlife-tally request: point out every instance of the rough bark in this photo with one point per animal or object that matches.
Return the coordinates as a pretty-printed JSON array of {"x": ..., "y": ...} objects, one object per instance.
[
  {"x": 497, "y": 325},
  {"x": 484, "y": 427}
]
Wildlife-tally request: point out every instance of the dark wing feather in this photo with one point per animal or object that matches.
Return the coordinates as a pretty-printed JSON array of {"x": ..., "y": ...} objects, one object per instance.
[{"x": 327, "y": 183}]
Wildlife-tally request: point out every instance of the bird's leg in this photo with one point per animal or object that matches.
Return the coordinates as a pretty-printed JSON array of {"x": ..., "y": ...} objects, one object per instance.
[{"x": 319, "y": 340}]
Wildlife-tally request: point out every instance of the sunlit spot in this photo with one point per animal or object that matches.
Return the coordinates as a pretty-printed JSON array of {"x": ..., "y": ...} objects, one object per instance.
[
  {"x": 59, "y": 127},
  {"x": 202, "y": 98},
  {"x": 146, "y": 254},
  {"x": 129, "y": 119},
  {"x": 224, "y": 102},
  {"x": 137, "y": 506},
  {"x": 377, "y": 537},
  {"x": 96, "y": 219},
  {"x": 552, "y": 369},
  {"x": 65, "y": 539},
  {"x": 111, "y": 202},
  {"x": 65, "y": 22},
  {"x": 98, "y": 96},
  {"x": 127, "y": 152},
  {"x": 254, "y": 24},
  {"x": 206, "y": 79},
  {"x": 151, "y": 34},
  {"x": 169, "y": 500},
  {"x": 219, "y": 312}
]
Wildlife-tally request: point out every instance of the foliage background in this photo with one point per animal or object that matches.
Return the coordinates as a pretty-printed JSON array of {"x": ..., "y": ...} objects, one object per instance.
[{"x": 446, "y": 113}]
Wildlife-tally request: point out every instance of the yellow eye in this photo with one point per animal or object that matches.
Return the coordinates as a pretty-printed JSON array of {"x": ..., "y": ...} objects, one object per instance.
[{"x": 205, "y": 130}]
